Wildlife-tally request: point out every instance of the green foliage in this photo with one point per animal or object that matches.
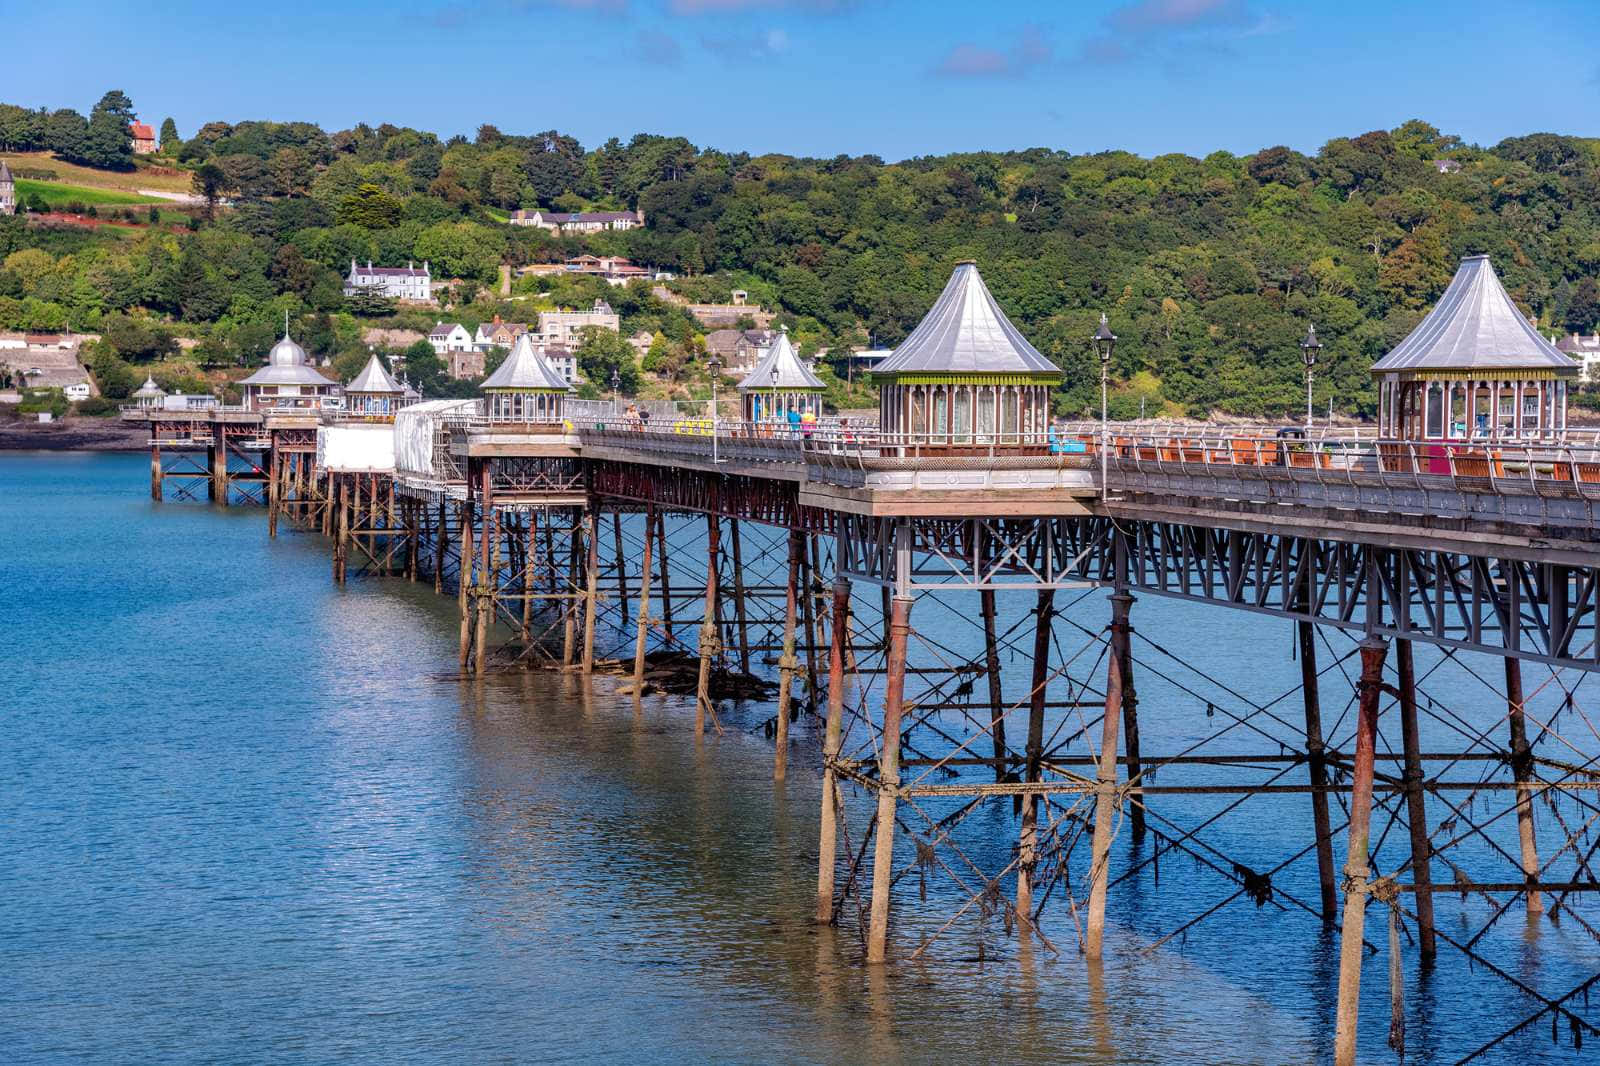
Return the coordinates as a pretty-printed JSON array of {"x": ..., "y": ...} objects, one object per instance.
[
  {"x": 36, "y": 401},
  {"x": 96, "y": 407},
  {"x": 601, "y": 352},
  {"x": 1209, "y": 268}
]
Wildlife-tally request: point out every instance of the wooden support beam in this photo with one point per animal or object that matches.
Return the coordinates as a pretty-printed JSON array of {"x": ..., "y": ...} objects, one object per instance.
[
  {"x": 827, "y": 837},
  {"x": 1028, "y": 835},
  {"x": 787, "y": 661},
  {"x": 591, "y": 580},
  {"x": 1522, "y": 774},
  {"x": 708, "y": 625},
  {"x": 1317, "y": 761},
  {"x": 1106, "y": 778},
  {"x": 1416, "y": 806},
  {"x": 888, "y": 779},
  {"x": 642, "y": 634},
  {"x": 1356, "y": 870}
]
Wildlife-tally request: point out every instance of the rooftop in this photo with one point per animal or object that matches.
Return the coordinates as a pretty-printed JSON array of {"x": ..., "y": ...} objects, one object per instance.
[
  {"x": 1474, "y": 326},
  {"x": 965, "y": 332}
]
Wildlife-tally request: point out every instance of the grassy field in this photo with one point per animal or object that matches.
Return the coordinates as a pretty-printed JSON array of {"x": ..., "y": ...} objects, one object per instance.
[
  {"x": 55, "y": 194},
  {"x": 128, "y": 181}
]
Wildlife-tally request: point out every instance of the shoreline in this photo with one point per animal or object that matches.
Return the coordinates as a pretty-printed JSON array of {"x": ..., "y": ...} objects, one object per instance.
[{"x": 72, "y": 435}]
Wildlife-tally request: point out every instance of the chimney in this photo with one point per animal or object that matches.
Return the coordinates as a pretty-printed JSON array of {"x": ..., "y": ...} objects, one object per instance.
[{"x": 369, "y": 264}]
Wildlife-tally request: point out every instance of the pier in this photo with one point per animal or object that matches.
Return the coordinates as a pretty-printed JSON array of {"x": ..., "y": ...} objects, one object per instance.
[{"x": 574, "y": 537}]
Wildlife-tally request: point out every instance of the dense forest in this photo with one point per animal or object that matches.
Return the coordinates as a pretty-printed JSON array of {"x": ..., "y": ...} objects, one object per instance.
[{"x": 1209, "y": 268}]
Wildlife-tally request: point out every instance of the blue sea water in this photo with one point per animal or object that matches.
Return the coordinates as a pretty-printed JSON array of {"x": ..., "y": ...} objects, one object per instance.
[{"x": 246, "y": 816}]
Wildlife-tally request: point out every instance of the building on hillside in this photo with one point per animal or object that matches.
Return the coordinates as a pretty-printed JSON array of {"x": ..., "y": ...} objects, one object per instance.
[
  {"x": 398, "y": 283},
  {"x": 729, "y": 314},
  {"x": 561, "y": 328},
  {"x": 374, "y": 392},
  {"x": 8, "y": 190},
  {"x": 467, "y": 364},
  {"x": 781, "y": 388},
  {"x": 966, "y": 375},
  {"x": 1585, "y": 351},
  {"x": 78, "y": 390},
  {"x": 144, "y": 138},
  {"x": 739, "y": 349},
  {"x": 577, "y": 221},
  {"x": 612, "y": 268},
  {"x": 497, "y": 334},
  {"x": 1446, "y": 166},
  {"x": 561, "y": 358},
  {"x": 1473, "y": 368},
  {"x": 287, "y": 381},
  {"x": 640, "y": 342},
  {"x": 525, "y": 388},
  {"x": 447, "y": 337}
]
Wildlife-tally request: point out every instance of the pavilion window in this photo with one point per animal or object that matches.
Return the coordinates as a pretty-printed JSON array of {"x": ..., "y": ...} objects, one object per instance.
[
  {"x": 1458, "y": 410},
  {"x": 1482, "y": 396},
  {"x": 1530, "y": 410},
  {"x": 919, "y": 411},
  {"x": 985, "y": 415},
  {"x": 1008, "y": 413},
  {"x": 941, "y": 413},
  {"x": 1505, "y": 410},
  {"x": 1433, "y": 429},
  {"x": 961, "y": 414}
]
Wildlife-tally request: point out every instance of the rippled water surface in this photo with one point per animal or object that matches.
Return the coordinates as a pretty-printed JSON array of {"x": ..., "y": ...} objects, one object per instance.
[{"x": 247, "y": 816}]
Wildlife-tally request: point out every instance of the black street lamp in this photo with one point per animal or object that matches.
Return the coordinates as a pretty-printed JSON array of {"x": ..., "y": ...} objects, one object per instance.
[
  {"x": 1309, "y": 348},
  {"x": 1105, "y": 342},
  {"x": 715, "y": 366},
  {"x": 616, "y": 384}
]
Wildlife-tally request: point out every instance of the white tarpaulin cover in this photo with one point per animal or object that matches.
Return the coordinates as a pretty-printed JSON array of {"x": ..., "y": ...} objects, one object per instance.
[
  {"x": 356, "y": 448},
  {"x": 414, "y": 435}
]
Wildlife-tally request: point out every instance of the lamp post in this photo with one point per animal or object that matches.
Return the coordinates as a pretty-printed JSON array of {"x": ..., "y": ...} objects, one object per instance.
[
  {"x": 616, "y": 384},
  {"x": 715, "y": 366},
  {"x": 1308, "y": 355},
  {"x": 1105, "y": 342}
]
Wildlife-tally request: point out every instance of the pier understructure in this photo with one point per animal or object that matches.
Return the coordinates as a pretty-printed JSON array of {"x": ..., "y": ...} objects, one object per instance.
[{"x": 924, "y": 610}]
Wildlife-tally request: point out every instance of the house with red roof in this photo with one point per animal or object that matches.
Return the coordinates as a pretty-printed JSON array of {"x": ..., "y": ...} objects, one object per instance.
[{"x": 144, "y": 138}]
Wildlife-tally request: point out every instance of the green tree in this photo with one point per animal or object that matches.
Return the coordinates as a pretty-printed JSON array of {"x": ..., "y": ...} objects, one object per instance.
[
  {"x": 65, "y": 134},
  {"x": 171, "y": 143},
  {"x": 208, "y": 183},
  {"x": 370, "y": 207},
  {"x": 601, "y": 351},
  {"x": 108, "y": 142}
]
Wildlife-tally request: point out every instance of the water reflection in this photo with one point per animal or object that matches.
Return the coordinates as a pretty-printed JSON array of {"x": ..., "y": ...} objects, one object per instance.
[{"x": 250, "y": 816}]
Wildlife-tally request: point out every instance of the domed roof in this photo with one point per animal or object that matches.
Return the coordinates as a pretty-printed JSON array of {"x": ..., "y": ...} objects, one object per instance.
[
  {"x": 287, "y": 353},
  {"x": 288, "y": 364}
]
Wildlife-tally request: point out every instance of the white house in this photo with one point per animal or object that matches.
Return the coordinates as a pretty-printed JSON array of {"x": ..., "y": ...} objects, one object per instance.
[
  {"x": 1585, "y": 351},
  {"x": 578, "y": 221},
  {"x": 561, "y": 328},
  {"x": 399, "y": 283},
  {"x": 77, "y": 391},
  {"x": 450, "y": 337},
  {"x": 562, "y": 359}
]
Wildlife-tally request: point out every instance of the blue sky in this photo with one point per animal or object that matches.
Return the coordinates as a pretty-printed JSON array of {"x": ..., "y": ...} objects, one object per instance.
[{"x": 819, "y": 77}]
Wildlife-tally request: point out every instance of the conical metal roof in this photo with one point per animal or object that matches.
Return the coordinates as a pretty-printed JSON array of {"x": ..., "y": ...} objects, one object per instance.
[
  {"x": 965, "y": 333},
  {"x": 5, "y": 173},
  {"x": 1474, "y": 327},
  {"x": 781, "y": 368},
  {"x": 149, "y": 389},
  {"x": 374, "y": 379},
  {"x": 526, "y": 368}
]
